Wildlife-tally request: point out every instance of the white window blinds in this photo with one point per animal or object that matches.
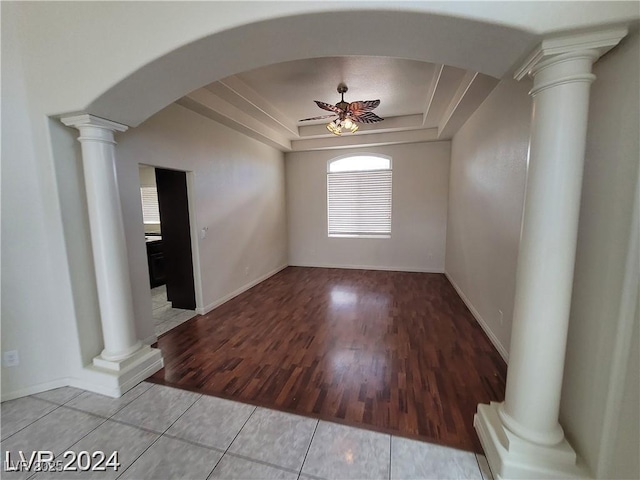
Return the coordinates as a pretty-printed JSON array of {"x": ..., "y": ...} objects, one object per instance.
[
  {"x": 150, "y": 210},
  {"x": 359, "y": 203}
]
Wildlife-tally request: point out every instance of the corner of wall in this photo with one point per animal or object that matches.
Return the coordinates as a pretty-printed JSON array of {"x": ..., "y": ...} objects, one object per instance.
[{"x": 494, "y": 340}]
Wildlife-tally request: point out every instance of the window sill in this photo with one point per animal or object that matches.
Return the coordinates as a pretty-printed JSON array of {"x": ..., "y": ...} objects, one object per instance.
[{"x": 336, "y": 235}]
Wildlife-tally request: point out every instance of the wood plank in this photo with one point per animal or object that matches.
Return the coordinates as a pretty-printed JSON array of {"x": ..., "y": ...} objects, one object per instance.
[{"x": 395, "y": 352}]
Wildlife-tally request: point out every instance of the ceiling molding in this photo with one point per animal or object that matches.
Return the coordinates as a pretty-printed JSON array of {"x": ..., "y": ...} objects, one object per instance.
[
  {"x": 372, "y": 140},
  {"x": 208, "y": 104},
  {"x": 232, "y": 90},
  {"x": 472, "y": 91},
  {"x": 454, "y": 103},
  {"x": 432, "y": 91},
  {"x": 420, "y": 102},
  {"x": 250, "y": 95},
  {"x": 448, "y": 83}
]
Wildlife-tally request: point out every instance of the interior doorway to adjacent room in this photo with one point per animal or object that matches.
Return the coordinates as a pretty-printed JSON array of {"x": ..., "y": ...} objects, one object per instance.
[{"x": 165, "y": 211}]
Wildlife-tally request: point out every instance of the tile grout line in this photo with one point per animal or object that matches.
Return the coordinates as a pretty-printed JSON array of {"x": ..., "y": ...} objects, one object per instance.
[
  {"x": 104, "y": 420},
  {"x": 479, "y": 467},
  {"x": 192, "y": 442},
  {"x": 60, "y": 405},
  {"x": 390, "y": 454},
  {"x": 231, "y": 443},
  {"x": 262, "y": 462},
  {"x": 308, "y": 448},
  {"x": 28, "y": 425},
  {"x": 159, "y": 436},
  {"x": 114, "y": 413},
  {"x": 224, "y": 452}
]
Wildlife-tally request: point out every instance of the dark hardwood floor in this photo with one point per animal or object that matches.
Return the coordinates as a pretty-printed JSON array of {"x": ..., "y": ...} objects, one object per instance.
[{"x": 390, "y": 351}]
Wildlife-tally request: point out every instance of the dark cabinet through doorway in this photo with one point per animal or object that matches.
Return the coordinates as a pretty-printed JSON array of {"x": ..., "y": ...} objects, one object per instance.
[{"x": 173, "y": 203}]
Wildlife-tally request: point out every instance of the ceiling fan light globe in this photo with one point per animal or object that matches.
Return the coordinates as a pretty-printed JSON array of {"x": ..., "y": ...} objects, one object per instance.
[
  {"x": 334, "y": 127},
  {"x": 354, "y": 128},
  {"x": 348, "y": 124}
]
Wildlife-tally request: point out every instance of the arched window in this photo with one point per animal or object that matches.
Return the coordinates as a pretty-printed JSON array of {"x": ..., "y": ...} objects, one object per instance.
[{"x": 359, "y": 196}]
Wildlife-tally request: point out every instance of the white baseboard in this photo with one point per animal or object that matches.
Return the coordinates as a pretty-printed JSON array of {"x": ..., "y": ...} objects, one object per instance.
[
  {"x": 368, "y": 267},
  {"x": 242, "y": 289},
  {"x": 39, "y": 388},
  {"x": 98, "y": 380},
  {"x": 496, "y": 343}
]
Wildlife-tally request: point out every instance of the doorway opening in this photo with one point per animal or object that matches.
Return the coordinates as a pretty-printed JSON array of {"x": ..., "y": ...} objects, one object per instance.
[{"x": 167, "y": 230}]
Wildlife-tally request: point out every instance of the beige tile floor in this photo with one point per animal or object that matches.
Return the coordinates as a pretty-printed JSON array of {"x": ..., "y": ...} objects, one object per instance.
[
  {"x": 164, "y": 433},
  {"x": 165, "y": 316}
]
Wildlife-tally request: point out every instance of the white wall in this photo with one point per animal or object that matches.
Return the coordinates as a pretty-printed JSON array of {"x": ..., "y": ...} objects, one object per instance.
[
  {"x": 486, "y": 194},
  {"x": 596, "y": 331},
  {"x": 37, "y": 304},
  {"x": 237, "y": 191},
  {"x": 147, "y": 176},
  {"x": 419, "y": 215}
]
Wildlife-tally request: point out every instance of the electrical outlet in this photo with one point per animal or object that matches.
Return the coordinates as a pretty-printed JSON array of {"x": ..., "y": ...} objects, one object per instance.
[
  {"x": 246, "y": 271},
  {"x": 501, "y": 317},
  {"x": 11, "y": 358}
]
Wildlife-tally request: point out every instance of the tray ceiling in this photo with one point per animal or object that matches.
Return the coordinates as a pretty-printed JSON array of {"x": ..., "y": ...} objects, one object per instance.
[{"x": 420, "y": 101}]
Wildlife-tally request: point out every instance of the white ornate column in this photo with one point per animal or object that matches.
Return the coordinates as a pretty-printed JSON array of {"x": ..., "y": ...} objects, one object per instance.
[
  {"x": 123, "y": 354},
  {"x": 522, "y": 437}
]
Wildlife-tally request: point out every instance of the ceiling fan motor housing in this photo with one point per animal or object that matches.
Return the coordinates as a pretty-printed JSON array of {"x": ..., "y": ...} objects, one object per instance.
[{"x": 342, "y": 105}]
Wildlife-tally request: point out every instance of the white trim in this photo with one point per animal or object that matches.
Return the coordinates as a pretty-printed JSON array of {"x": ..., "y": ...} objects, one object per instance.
[
  {"x": 114, "y": 384},
  {"x": 496, "y": 343},
  {"x": 431, "y": 93},
  {"x": 601, "y": 41},
  {"x": 360, "y": 154},
  {"x": 195, "y": 236},
  {"x": 369, "y": 267},
  {"x": 512, "y": 457},
  {"x": 358, "y": 235},
  {"x": 94, "y": 382},
  {"x": 39, "y": 388},
  {"x": 88, "y": 120},
  {"x": 238, "y": 291}
]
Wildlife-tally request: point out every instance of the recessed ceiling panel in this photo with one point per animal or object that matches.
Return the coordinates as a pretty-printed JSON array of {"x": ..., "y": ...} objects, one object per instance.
[{"x": 291, "y": 87}]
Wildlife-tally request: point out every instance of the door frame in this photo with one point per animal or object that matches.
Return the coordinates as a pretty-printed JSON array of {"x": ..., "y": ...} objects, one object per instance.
[{"x": 194, "y": 231}]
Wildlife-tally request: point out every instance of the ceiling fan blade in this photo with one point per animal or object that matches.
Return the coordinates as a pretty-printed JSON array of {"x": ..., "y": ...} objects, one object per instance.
[
  {"x": 363, "y": 106},
  {"x": 366, "y": 117},
  {"x": 317, "y": 118},
  {"x": 327, "y": 106}
]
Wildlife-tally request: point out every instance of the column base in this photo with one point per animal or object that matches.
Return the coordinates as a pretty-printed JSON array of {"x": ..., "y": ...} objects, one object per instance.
[
  {"x": 116, "y": 378},
  {"x": 511, "y": 457},
  {"x": 124, "y": 363}
]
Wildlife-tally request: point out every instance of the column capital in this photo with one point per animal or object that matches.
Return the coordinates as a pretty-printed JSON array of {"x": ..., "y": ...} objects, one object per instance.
[
  {"x": 87, "y": 120},
  {"x": 597, "y": 43},
  {"x": 94, "y": 129}
]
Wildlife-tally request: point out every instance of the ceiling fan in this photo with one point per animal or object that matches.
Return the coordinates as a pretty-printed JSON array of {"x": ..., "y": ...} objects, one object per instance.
[{"x": 347, "y": 114}]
